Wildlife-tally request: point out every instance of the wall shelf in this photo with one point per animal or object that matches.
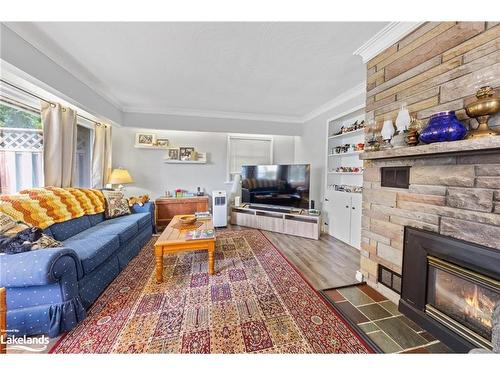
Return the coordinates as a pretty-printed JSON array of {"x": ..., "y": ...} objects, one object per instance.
[
  {"x": 168, "y": 161},
  {"x": 346, "y": 153},
  {"x": 343, "y": 192},
  {"x": 152, "y": 147},
  {"x": 351, "y": 173},
  {"x": 354, "y": 132}
]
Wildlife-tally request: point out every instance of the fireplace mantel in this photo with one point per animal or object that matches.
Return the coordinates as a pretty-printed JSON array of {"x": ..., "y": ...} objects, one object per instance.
[{"x": 489, "y": 144}]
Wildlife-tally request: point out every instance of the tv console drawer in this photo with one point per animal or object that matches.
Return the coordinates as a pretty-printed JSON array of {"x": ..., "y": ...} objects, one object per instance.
[
  {"x": 301, "y": 228},
  {"x": 270, "y": 222},
  {"x": 244, "y": 218}
]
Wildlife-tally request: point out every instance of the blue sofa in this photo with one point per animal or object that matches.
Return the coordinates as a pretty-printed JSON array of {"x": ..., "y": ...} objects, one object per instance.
[{"x": 49, "y": 290}]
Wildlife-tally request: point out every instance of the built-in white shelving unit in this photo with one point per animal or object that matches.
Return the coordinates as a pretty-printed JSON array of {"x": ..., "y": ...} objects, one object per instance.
[{"x": 342, "y": 210}]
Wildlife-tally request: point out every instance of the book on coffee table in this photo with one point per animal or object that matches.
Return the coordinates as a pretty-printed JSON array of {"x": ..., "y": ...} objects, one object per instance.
[{"x": 200, "y": 234}]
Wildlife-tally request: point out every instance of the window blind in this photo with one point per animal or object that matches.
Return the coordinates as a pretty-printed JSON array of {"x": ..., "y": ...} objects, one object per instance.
[{"x": 248, "y": 151}]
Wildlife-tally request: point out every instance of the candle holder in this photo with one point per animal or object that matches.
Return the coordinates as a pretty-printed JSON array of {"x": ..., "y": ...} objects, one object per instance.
[
  {"x": 482, "y": 109},
  {"x": 371, "y": 137}
]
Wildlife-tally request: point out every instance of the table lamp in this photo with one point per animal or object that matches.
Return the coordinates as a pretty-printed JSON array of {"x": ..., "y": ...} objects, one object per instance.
[{"x": 119, "y": 176}]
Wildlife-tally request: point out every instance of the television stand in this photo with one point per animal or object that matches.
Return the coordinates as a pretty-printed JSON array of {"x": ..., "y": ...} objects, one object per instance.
[
  {"x": 274, "y": 220},
  {"x": 272, "y": 209}
]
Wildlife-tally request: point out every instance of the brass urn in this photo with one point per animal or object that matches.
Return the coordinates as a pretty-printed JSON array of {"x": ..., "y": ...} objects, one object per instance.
[{"x": 482, "y": 109}]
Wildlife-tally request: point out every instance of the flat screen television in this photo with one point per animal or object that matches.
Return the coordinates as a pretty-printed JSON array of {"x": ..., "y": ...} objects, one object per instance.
[{"x": 284, "y": 185}]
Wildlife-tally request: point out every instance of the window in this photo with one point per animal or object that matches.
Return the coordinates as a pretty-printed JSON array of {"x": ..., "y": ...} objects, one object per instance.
[
  {"x": 247, "y": 150},
  {"x": 83, "y": 156},
  {"x": 21, "y": 145}
]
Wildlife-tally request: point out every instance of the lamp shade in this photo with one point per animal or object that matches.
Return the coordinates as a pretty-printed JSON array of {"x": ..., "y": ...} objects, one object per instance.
[{"x": 120, "y": 176}]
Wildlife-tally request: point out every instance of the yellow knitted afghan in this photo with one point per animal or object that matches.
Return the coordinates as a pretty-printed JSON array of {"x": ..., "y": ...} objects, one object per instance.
[{"x": 42, "y": 207}]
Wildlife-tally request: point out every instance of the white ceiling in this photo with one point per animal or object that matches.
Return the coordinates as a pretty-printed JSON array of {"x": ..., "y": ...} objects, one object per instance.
[{"x": 272, "y": 70}]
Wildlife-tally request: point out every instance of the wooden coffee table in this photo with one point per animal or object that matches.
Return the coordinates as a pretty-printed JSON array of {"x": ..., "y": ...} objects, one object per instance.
[{"x": 173, "y": 239}]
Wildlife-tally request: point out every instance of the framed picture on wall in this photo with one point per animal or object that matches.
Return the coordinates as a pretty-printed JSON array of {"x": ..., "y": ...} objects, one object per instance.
[
  {"x": 172, "y": 154},
  {"x": 161, "y": 142},
  {"x": 186, "y": 153},
  {"x": 145, "y": 140}
]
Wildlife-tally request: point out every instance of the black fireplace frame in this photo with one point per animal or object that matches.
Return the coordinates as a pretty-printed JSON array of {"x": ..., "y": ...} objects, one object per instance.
[{"x": 418, "y": 244}]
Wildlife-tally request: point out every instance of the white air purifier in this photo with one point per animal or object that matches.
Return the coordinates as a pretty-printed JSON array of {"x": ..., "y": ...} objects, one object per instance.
[{"x": 219, "y": 208}]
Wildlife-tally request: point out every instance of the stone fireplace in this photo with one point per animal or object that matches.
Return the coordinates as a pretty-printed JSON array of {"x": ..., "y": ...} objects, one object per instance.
[
  {"x": 450, "y": 190},
  {"x": 439, "y": 235}
]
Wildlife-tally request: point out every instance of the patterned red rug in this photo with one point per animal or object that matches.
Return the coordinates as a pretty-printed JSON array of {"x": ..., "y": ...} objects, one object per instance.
[{"x": 256, "y": 302}]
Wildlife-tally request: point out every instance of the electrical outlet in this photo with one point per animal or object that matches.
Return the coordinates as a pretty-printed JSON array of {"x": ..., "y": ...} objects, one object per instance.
[{"x": 359, "y": 276}]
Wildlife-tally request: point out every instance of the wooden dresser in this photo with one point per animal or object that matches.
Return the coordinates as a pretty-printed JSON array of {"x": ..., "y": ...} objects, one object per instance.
[{"x": 167, "y": 208}]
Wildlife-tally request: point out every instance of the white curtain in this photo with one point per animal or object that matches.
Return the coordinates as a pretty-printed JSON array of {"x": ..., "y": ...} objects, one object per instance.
[
  {"x": 101, "y": 156},
  {"x": 59, "y": 145}
]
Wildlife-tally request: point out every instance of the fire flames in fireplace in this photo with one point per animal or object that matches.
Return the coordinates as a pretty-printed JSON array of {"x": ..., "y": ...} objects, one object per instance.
[
  {"x": 463, "y": 298},
  {"x": 479, "y": 307}
]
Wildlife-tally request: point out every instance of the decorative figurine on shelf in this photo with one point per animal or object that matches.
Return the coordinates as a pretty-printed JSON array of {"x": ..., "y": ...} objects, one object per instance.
[
  {"x": 485, "y": 106},
  {"x": 371, "y": 141},
  {"x": 414, "y": 130},
  {"x": 443, "y": 127},
  {"x": 402, "y": 123},
  {"x": 387, "y": 133}
]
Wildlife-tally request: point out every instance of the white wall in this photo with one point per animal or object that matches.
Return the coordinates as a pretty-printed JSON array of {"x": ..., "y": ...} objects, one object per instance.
[
  {"x": 311, "y": 146},
  {"x": 152, "y": 176},
  {"x": 33, "y": 65}
]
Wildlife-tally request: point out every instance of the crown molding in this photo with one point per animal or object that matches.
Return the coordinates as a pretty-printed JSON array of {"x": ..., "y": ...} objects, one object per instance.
[
  {"x": 193, "y": 112},
  {"x": 359, "y": 89},
  {"x": 385, "y": 38},
  {"x": 32, "y": 35}
]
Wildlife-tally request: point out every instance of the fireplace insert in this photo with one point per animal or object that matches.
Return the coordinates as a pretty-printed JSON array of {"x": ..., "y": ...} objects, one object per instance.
[{"x": 450, "y": 287}]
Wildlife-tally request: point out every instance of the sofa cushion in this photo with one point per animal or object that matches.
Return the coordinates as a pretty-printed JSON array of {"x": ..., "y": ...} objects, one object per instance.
[
  {"x": 63, "y": 231},
  {"x": 142, "y": 219},
  {"x": 96, "y": 219},
  {"x": 125, "y": 229},
  {"x": 93, "y": 250}
]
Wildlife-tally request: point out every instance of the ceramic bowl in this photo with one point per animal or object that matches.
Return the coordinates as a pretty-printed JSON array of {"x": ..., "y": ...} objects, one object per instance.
[{"x": 187, "y": 220}]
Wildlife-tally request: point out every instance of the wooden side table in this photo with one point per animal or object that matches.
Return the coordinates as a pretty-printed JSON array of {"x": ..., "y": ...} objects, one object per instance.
[
  {"x": 167, "y": 208},
  {"x": 3, "y": 321}
]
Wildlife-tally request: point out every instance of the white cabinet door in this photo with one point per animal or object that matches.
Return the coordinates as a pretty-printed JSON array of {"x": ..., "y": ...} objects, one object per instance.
[
  {"x": 356, "y": 210},
  {"x": 339, "y": 225},
  {"x": 328, "y": 211}
]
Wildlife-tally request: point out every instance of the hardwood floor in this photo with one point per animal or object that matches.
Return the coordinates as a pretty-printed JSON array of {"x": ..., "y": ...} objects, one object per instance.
[{"x": 326, "y": 263}]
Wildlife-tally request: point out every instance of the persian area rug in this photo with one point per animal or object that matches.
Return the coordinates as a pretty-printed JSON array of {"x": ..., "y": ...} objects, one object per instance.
[{"x": 256, "y": 302}]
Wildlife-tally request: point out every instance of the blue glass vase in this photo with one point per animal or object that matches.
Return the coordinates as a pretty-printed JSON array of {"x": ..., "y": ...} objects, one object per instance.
[{"x": 443, "y": 127}]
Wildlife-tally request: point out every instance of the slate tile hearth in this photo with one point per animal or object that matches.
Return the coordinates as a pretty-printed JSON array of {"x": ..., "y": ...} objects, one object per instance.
[{"x": 380, "y": 320}]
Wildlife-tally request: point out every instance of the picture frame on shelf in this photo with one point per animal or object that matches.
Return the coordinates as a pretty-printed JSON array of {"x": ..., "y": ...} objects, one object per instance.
[
  {"x": 145, "y": 140},
  {"x": 172, "y": 154},
  {"x": 162, "y": 142},
  {"x": 186, "y": 153},
  {"x": 201, "y": 157}
]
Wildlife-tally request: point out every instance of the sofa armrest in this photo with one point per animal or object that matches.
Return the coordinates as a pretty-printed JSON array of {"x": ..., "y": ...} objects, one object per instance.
[
  {"x": 38, "y": 267},
  {"x": 146, "y": 207}
]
